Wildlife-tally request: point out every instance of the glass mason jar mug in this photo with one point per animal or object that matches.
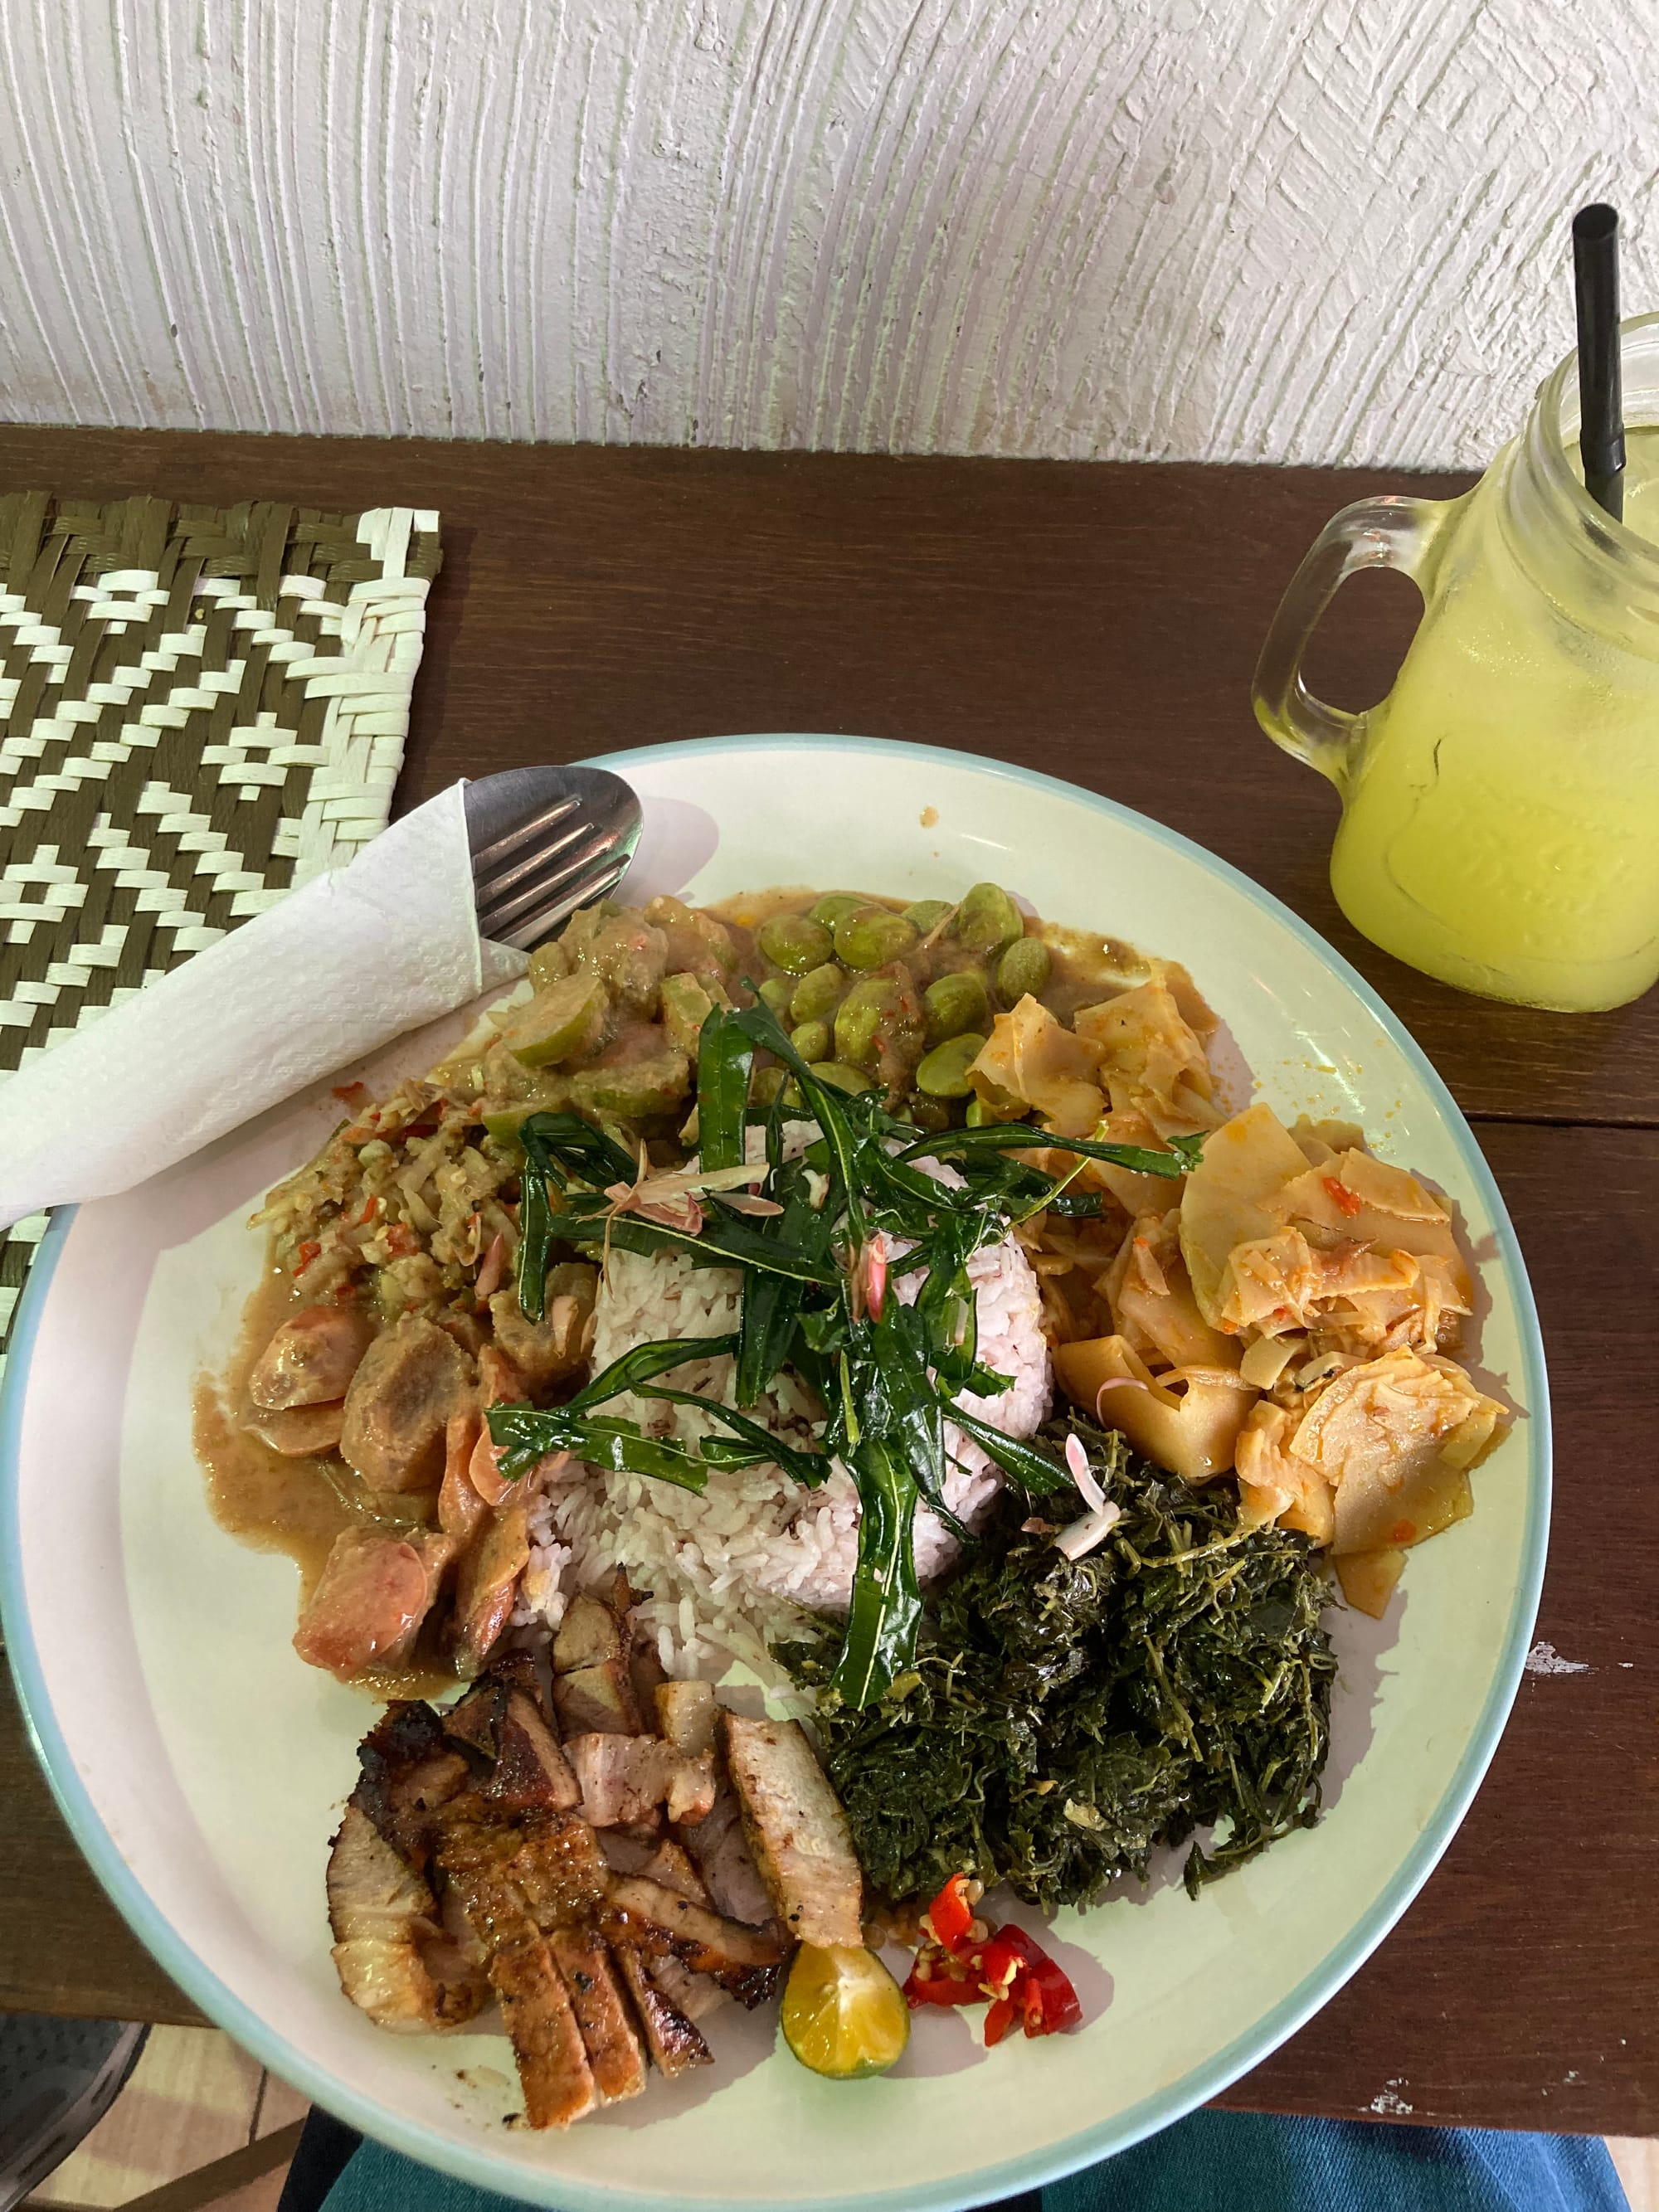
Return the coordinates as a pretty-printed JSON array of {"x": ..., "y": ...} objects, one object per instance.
[{"x": 1500, "y": 807}]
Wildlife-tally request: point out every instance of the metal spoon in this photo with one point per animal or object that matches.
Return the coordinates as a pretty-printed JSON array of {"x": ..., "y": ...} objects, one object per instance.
[{"x": 543, "y": 841}]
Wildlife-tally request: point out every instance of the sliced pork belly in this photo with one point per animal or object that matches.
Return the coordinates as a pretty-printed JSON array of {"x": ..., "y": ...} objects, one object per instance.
[
  {"x": 394, "y": 1960},
  {"x": 409, "y": 1771},
  {"x": 686, "y": 1714},
  {"x": 796, "y": 1829},
  {"x": 720, "y": 1849},
  {"x": 551, "y": 2057},
  {"x": 506, "y": 1724},
  {"x": 642, "y": 1914},
  {"x": 624, "y": 1778},
  {"x": 672, "y": 2038},
  {"x": 614, "y": 2055}
]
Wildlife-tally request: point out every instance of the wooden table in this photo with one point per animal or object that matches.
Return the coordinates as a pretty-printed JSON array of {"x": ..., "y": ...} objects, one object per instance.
[{"x": 1100, "y": 623}]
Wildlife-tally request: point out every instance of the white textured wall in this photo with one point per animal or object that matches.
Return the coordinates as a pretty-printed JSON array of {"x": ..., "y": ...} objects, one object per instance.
[{"x": 1292, "y": 229}]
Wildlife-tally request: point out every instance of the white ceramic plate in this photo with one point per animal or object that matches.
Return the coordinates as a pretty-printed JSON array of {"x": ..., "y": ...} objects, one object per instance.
[{"x": 202, "y": 1766}]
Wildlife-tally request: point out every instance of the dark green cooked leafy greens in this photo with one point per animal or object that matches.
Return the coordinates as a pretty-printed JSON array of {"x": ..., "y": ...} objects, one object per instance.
[{"x": 1061, "y": 1720}]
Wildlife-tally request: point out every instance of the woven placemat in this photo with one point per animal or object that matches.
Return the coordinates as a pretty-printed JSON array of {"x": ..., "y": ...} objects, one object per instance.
[{"x": 201, "y": 708}]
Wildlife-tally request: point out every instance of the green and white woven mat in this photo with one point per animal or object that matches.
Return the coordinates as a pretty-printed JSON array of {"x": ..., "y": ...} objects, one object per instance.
[{"x": 200, "y": 708}]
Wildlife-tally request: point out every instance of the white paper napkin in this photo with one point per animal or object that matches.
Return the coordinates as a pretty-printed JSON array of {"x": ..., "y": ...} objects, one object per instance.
[{"x": 327, "y": 976}]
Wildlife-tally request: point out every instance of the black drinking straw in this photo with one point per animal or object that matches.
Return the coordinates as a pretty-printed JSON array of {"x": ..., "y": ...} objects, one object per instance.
[{"x": 1601, "y": 386}]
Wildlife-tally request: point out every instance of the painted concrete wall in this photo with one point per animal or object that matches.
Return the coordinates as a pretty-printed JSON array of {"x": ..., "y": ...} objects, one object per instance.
[{"x": 1318, "y": 230}]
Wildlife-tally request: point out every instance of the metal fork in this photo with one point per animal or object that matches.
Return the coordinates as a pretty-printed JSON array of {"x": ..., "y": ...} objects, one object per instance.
[{"x": 543, "y": 841}]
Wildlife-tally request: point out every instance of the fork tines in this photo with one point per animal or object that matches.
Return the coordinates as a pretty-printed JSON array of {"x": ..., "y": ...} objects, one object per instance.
[{"x": 521, "y": 894}]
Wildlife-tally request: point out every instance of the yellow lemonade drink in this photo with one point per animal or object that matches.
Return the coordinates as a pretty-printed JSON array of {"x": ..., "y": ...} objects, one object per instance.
[
  {"x": 1500, "y": 820},
  {"x": 1501, "y": 828}
]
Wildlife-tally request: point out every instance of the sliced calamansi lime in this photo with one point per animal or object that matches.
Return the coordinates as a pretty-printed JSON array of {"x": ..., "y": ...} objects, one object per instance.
[{"x": 844, "y": 2015}]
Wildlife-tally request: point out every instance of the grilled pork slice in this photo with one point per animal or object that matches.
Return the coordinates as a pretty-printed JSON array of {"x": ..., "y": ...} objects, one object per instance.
[
  {"x": 507, "y": 1725},
  {"x": 693, "y": 1994},
  {"x": 592, "y": 1684},
  {"x": 409, "y": 1771},
  {"x": 554, "y": 2073},
  {"x": 515, "y": 1879},
  {"x": 796, "y": 1829},
  {"x": 686, "y": 1713},
  {"x": 643, "y": 1916},
  {"x": 614, "y": 2055},
  {"x": 720, "y": 1851},
  {"x": 394, "y": 1961},
  {"x": 674, "y": 2041},
  {"x": 670, "y": 1865},
  {"x": 543, "y": 1866},
  {"x": 472, "y": 1719},
  {"x": 530, "y": 1767},
  {"x": 624, "y": 1778}
]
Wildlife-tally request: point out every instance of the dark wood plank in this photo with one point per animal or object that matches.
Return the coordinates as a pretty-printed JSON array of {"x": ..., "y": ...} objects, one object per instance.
[
  {"x": 1100, "y": 622},
  {"x": 1517, "y": 1991},
  {"x": 66, "y": 1947}
]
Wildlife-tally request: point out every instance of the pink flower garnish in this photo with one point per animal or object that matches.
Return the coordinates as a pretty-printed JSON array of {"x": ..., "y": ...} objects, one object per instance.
[
  {"x": 875, "y": 1275},
  {"x": 1077, "y": 1459},
  {"x": 494, "y": 1270},
  {"x": 659, "y": 1201}
]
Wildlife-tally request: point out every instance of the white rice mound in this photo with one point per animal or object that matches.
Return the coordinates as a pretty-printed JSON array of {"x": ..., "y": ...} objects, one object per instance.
[{"x": 741, "y": 1565}]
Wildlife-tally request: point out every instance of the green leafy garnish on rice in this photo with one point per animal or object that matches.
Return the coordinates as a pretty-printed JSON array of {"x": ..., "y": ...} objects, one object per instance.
[{"x": 814, "y": 1254}]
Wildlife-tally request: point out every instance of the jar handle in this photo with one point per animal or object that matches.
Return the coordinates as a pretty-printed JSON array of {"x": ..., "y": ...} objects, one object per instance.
[{"x": 1390, "y": 533}]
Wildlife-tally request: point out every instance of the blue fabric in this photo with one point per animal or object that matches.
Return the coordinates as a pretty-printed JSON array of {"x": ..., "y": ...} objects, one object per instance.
[
  {"x": 1257, "y": 2162},
  {"x": 1210, "y": 2162}
]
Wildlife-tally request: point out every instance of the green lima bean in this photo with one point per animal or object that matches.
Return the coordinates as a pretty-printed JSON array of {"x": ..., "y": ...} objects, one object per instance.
[
  {"x": 858, "y": 1018},
  {"x": 955, "y": 1003},
  {"x": 1023, "y": 970},
  {"x": 828, "y": 910},
  {"x": 872, "y": 937},
  {"x": 795, "y": 943},
  {"x": 944, "y": 1072},
  {"x": 818, "y": 995},
  {"x": 927, "y": 914},
  {"x": 987, "y": 919},
  {"x": 811, "y": 1041}
]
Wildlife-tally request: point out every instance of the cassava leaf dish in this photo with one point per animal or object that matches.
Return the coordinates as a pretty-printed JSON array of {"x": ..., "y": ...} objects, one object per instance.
[{"x": 1061, "y": 1719}]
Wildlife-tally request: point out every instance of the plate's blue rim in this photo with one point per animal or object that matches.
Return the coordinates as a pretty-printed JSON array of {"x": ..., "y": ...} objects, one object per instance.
[{"x": 1088, "y": 2145}]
